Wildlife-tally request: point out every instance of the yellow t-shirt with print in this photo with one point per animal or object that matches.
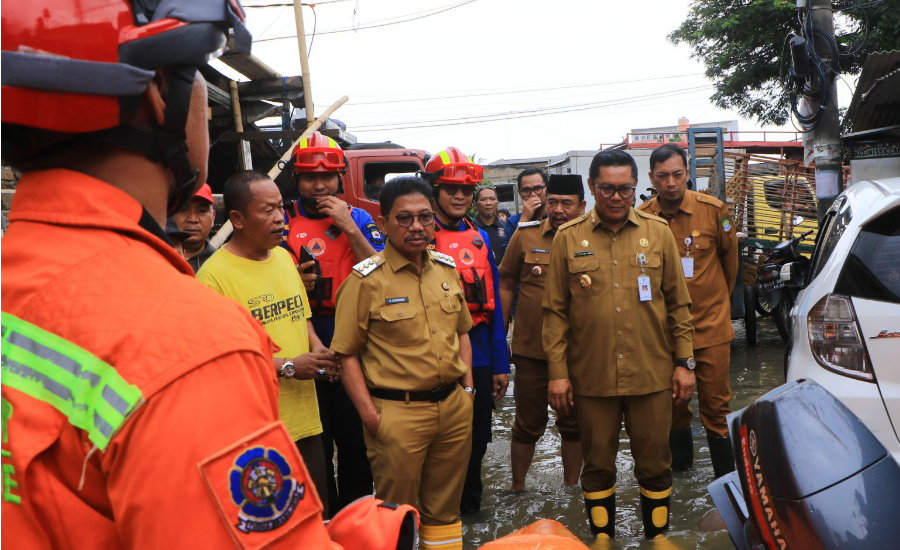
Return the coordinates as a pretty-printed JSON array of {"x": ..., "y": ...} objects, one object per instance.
[{"x": 273, "y": 292}]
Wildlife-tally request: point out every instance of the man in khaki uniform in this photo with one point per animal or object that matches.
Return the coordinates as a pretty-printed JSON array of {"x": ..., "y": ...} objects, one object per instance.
[
  {"x": 617, "y": 333},
  {"x": 525, "y": 264},
  {"x": 403, "y": 309},
  {"x": 709, "y": 254}
]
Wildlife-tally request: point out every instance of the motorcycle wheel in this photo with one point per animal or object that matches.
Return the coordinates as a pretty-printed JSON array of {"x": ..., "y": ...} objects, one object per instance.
[
  {"x": 762, "y": 303},
  {"x": 751, "y": 296},
  {"x": 782, "y": 313}
]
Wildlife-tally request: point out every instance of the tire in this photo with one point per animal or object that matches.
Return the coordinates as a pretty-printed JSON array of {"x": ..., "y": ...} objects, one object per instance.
[
  {"x": 751, "y": 296},
  {"x": 762, "y": 304},
  {"x": 782, "y": 314}
]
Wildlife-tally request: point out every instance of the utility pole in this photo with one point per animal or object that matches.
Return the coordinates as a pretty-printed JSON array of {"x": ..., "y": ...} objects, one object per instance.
[{"x": 823, "y": 142}]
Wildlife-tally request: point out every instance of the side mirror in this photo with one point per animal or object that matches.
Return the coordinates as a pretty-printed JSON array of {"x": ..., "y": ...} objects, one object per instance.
[{"x": 793, "y": 274}]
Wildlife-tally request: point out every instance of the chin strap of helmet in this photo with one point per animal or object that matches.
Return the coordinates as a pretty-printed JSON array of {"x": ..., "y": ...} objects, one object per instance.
[{"x": 168, "y": 142}]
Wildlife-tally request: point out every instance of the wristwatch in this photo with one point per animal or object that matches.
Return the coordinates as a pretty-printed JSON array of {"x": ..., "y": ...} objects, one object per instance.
[
  {"x": 287, "y": 369},
  {"x": 469, "y": 390},
  {"x": 688, "y": 363}
]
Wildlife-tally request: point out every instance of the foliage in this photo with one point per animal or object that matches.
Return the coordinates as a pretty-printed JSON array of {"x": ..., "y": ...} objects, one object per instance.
[{"x": 742, "y": 43}]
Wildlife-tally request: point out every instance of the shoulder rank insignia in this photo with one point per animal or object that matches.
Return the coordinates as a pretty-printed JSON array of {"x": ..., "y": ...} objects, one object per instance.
[
  {"x": 530, "y": 224},
  {"x": 368, "y": 265},
  {"x": 442, "y": 258}
]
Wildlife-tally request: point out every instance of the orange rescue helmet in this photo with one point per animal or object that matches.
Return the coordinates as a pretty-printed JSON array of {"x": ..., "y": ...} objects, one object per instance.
[
  {"x": 318, "y": 153},
  {"x": 452, "y": 166}
]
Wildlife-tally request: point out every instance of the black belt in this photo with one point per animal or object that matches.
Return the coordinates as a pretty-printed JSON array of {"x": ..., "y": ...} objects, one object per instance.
[{"x": 434, "y": 396}]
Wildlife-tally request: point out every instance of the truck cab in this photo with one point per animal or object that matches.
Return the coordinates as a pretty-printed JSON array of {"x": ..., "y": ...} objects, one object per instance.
[{"x": 370, "y": 165}]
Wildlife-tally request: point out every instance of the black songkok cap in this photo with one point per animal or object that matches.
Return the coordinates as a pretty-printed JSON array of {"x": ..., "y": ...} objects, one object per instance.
[{"x": 565, "y": 184}]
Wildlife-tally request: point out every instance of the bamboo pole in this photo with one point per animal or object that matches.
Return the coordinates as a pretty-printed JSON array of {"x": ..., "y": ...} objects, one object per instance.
[
  {"x": 220, "y": 237},
  {"x": 243, "y": 146},
  {"x": 304, "y": 62}
]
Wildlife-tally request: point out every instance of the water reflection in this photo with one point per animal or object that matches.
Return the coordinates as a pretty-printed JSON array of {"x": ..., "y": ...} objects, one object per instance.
[{"x": 754, "y": 371}]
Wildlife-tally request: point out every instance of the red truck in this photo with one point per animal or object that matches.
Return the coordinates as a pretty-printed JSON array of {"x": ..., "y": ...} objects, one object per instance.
[{"x": 368, "y": 164}]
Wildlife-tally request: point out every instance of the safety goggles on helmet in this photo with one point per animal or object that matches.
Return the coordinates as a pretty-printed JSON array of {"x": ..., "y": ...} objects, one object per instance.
[
  {"x": 461, "y": 173},
  {"x": 318, "y": 153}
]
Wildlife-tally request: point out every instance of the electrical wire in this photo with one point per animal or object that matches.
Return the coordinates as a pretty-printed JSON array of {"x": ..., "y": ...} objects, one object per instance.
[
  {"x": 526, "y": 113},
  {"x": 315, "y": 24},
  {"x": 384, "y": 22}
]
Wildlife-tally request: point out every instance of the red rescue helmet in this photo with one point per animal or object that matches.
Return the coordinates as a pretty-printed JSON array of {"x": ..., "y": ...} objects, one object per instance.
[
  {"x": 318, "y": 153},
  {"x": 78, "y": 67},
  {"x": 454, "y": 167}
]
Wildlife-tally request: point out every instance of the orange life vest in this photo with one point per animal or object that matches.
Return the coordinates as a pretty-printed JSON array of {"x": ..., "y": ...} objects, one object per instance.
[
  {"x": 470, "y": 252},
  {"x": 330, "y": 246}
]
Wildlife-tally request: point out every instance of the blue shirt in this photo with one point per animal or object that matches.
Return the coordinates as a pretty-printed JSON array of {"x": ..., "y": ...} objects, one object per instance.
[{"x": 489, "y": 348}]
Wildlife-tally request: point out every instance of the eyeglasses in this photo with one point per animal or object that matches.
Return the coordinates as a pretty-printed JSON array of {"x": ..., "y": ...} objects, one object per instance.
[
  {"x": 527, "y": 191},
  {"x": 406, "y": 220},
  {"x": 452, "y": 189},
  {"x": 607, "y": 191}
]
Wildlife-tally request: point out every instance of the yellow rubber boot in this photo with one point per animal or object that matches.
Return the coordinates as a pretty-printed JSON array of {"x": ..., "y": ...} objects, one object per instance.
[
  {"x": 441, "y": 537},
  {"x": 601, "y": 512},
  {"x": 655, "y": 512}
]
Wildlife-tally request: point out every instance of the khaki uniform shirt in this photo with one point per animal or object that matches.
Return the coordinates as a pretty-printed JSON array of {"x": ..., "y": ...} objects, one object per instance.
[
  {"x": 405, "y": 325},
  {"x": 527, "y": 261},
  {"x": 597, "y": 332},
  {"x": 714, "y": 248}
]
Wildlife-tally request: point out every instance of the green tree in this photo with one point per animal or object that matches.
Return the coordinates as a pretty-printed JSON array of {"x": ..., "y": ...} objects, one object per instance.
[{"x": 742, "y": 43}]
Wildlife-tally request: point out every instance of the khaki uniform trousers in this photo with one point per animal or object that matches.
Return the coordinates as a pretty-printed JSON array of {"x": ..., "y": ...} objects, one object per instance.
[
  {"x": 530, "y": 388},
  {"x": 713, "y": 391},
  {"x": 647, "y": 419},
  {"x": 419, "y": 454}
]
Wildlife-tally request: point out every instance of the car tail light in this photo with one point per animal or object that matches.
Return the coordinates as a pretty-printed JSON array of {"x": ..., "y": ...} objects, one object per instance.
[{"x": 835, "y": 339}]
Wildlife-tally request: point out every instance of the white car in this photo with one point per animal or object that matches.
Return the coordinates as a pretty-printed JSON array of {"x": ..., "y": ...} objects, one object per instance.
[{"x": 846, "y": 322}]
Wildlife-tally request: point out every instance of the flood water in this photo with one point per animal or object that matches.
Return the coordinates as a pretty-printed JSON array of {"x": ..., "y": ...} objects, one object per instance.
[{"x": 754, "y": 371}]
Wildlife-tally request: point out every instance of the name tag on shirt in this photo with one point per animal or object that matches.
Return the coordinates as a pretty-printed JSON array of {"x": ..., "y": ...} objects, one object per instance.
[
  {"x": 644, "y": 288},
  {"x": 687, "y": 264},
  {"x": 391, "y": 301}
]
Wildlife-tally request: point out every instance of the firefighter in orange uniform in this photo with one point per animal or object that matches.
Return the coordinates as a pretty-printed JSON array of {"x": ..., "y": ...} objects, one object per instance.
[
  {"x": 123, "y": 425},
  {"x": 454, "y": 176}
]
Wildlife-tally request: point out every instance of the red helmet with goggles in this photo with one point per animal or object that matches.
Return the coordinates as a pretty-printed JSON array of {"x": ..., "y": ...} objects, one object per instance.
[
  {"x": 454, "y": 167},
  {"x": 318, "y": 153}
]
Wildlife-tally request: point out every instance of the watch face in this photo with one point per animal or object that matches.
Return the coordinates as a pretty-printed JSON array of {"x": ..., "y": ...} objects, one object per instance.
[
  {"x": 691, "y": 363},
  {"x": 288, "y": 370}
]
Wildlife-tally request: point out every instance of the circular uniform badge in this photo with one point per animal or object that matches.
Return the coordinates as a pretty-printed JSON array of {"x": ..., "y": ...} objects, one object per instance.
[
  {"x": 536, "y": 270},
  {"x": 466, "y": 256},
  {"x": 262, "y": 487},
  {"x": 316, "y": 246}
]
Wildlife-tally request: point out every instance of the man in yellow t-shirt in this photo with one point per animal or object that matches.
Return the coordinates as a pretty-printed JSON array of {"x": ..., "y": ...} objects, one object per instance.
[{"x": 254, "y": 271}]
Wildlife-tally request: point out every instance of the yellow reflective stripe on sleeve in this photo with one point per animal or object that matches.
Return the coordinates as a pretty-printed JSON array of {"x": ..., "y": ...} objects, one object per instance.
[{"x": 72, "y": 380}]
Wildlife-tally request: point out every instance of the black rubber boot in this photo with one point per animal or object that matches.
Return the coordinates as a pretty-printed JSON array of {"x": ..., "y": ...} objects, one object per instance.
[
  {"x": 601, "y": 512},
  {"x": 655, "y": 512},
  {"x": 722, "y": 454},
  {"x": 681, "y": 443}
]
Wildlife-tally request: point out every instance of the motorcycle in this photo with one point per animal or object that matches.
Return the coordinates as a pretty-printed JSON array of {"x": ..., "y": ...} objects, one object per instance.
[{"x": 780, "y": 285}]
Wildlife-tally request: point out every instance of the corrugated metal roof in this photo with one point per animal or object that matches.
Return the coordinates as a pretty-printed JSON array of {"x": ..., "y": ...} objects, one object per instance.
[{"x": 876, "y": 101}]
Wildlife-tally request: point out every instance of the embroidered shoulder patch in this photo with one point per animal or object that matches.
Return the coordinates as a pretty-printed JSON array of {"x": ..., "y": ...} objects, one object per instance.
[
  {"x": 726, "y": 224},
  {"x": 377, "y": 237},
  {"x": 260, "y": 487}
]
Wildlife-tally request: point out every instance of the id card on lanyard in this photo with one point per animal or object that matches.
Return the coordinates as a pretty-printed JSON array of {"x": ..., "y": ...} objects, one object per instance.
[
  {"x": 644, "y": 292},
  {"x": 687, "y": 263}
]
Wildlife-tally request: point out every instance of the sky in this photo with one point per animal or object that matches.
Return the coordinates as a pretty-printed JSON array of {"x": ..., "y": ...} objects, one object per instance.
[{"x": 496, "y": 78}]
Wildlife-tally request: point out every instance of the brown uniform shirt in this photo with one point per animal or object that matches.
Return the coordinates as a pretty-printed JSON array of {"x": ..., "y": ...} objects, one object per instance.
[
  {"x": 597, "y": 332},
  {"x": 714, "y": 248},
  {"x": 527, "y": 260},
  {"x": 405, "y": 325}
]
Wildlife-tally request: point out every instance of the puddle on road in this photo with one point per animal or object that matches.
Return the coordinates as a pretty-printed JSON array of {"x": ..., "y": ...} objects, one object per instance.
[{"x": 754, "y": 371}]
